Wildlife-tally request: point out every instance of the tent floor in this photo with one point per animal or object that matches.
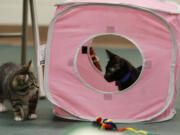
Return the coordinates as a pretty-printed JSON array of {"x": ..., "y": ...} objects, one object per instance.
[{"x": 47, "y": 124}]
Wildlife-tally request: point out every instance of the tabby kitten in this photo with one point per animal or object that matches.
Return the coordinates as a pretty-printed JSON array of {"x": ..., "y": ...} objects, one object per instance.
[{"x": 18, "y": 85}]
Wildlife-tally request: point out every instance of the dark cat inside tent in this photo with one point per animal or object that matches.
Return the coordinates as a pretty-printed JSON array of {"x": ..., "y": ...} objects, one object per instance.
[{"x": 121, "y": 71}]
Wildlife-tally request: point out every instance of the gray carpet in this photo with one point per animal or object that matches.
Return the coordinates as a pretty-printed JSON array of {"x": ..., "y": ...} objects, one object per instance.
[{"x": 46, "y": 124}]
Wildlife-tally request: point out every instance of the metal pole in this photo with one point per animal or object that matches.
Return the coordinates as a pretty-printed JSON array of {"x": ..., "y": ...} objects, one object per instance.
[
  {"x": 35, "y": 30},
  {"x": 24, "y": 32}
]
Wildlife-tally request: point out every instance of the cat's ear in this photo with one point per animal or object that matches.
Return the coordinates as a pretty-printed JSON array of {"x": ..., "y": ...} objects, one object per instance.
[
  {"x": 27, "y": 67},
  {"x": 110, "y": 54}
]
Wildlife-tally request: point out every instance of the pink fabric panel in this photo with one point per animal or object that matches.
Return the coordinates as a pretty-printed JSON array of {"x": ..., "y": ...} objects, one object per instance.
[
  {"x": 90, "y": 75},
  {"x": 60, "y": 112},
  {"x": 174, "y": 22},
  {"x": 152, "y": 4},
  {"x": 59, "y": 8},
  {"x": 144, "y": 99}
]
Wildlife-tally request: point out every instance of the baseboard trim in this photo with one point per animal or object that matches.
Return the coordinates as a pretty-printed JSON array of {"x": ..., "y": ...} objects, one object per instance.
[{"x": 17, "y": 28}]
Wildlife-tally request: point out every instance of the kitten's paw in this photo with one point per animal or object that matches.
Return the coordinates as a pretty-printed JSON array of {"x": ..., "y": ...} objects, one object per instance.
[
  {"x": 32, "y": 116},
  {"x": 18, "y": 118},
  {"x": 2, "y": 108}
]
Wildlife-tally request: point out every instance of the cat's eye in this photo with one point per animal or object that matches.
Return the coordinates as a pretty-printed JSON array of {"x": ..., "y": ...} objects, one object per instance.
[
  {"x": 112, "y": 59},
  {"x": 21, "y": 77},
  {"x": 112, "y": 70}
]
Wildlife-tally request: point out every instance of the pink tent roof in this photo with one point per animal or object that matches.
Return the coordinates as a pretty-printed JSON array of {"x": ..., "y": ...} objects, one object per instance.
[{"x": 151, "y": 4}]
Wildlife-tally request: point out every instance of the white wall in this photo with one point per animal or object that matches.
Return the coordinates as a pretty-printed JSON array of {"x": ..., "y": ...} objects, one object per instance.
[
  {"x": 178, "y": 1},
  {"x": 11, "y": 11}
]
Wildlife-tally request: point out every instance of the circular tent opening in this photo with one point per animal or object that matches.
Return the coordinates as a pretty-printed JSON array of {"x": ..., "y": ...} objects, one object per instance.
[{"x": 116, "y": 60}]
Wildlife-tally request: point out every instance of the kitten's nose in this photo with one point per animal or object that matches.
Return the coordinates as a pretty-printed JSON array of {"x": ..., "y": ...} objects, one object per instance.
[{"x": 26, "y": 78}]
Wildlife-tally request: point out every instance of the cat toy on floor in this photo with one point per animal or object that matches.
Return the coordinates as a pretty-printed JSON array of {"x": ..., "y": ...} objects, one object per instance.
[{"x": 107, "y": 124}]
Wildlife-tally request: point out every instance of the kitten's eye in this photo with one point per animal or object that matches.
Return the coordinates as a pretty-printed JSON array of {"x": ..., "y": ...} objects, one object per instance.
[
  {"x": 112, "y": 69},
  {"x": 117, "y": 66},
  {"x": 21, "y": 77}
]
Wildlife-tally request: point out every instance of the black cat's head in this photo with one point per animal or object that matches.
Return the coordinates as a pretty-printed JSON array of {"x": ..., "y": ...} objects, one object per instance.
[
  {"x": 23, "y": 78},
  {"x": 116, "y": 67}
]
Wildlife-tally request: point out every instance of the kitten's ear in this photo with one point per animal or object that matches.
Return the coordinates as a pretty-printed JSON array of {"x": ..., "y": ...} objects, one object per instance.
[
  {"x": 110, "y": 54},
  {"x": 27, "y": 67}
]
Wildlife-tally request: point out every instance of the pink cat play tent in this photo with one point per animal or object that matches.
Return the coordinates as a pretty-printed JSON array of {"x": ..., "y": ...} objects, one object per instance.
[{"x": 153, "y": 26}]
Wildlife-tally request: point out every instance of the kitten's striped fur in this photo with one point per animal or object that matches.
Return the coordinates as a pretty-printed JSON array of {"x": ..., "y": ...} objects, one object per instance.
[{"x": 19, "y": 85}]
